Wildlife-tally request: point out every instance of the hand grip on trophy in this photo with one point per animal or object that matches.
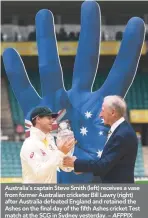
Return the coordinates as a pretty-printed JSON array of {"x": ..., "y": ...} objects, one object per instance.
[
  {"x": 66, "y": 134},
  {"x": 66, "y": 145}
]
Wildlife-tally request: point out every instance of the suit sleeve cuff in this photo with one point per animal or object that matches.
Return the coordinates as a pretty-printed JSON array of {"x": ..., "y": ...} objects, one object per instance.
[{"x": 81, "y": 166}]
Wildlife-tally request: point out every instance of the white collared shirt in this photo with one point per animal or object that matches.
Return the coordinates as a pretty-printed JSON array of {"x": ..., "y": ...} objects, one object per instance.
[
  {"x": 40, "y": 162},
  {"x": 38, "y": 134},
  {"x": 114, "y": 126}
]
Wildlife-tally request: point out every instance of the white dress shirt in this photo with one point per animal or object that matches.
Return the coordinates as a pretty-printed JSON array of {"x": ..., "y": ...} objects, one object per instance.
[{"x": 114, "y": 126}]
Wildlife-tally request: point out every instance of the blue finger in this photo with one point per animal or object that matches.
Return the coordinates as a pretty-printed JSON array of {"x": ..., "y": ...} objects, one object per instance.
[
  {"x": 49, "y": 63},
  {"x": 18, "y": 78},
  {"x": 88, "y": 49},
  {"x": 126, "y": 63}
]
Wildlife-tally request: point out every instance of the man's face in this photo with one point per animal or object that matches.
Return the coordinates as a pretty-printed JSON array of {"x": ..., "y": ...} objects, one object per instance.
[
  {"x": 45, "y": 123},
  {"x": 107, "y": 114}
]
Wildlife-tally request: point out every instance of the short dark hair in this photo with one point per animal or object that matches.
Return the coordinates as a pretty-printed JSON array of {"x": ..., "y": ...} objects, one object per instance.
[{"x": 34, "y": 122}]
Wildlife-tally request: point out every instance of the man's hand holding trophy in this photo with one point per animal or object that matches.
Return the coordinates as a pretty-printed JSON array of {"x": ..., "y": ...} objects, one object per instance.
[{"x": 65, "y": 134}]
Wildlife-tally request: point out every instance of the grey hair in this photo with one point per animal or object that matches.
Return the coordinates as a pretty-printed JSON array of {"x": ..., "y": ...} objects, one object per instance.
[{"x": 117, "y": 103}]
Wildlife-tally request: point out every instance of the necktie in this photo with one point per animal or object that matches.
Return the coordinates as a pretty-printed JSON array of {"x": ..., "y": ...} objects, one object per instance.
[
  {"x": 108, "y": 135},
  {"x": 45, "y": 142}
]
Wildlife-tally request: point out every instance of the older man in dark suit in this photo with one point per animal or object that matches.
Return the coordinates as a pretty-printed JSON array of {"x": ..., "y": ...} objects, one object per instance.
[{"x": 117, "y": 162}]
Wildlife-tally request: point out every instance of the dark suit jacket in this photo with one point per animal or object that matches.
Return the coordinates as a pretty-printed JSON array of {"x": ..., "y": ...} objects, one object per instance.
[{"x": 117, "y": 162}]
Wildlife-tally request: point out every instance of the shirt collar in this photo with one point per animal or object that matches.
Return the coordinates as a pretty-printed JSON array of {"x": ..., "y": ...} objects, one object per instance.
[
  {"x": 116, "y": 124},
  {"x": 35, "y": 132}
]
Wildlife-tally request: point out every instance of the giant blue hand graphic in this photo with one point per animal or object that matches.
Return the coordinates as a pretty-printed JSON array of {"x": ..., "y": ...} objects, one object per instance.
[{"x": 82, "y": 105}]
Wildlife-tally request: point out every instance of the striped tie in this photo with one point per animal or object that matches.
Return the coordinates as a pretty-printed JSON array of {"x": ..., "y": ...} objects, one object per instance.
[
  {"x": 108, "y": 135},
  {"x": 109, "y": 132}
]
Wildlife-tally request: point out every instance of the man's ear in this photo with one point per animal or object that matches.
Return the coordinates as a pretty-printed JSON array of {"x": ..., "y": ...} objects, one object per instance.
[{"x": 113, "y": 112}]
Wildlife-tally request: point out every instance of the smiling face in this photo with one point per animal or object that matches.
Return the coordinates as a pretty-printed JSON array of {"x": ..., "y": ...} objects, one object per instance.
[
  {"x": 44, "y": 123},
  {"x": 108, "y": 114}
]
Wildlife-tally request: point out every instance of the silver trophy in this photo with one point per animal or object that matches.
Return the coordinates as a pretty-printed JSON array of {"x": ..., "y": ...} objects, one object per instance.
[{"x": 65, "y": 131}]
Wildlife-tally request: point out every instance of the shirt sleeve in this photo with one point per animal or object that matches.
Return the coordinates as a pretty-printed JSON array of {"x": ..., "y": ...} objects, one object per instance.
[
  {"x": 107, "y": 160},
  {"x": 39, "y": 162}
]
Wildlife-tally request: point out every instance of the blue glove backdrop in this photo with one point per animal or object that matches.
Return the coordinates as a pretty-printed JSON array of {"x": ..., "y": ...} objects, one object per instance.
[{"x": 81, "y": 104}]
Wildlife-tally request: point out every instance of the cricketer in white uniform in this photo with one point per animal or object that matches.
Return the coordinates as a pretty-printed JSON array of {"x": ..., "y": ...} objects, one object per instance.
[{"x": 40, "y": 157}]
